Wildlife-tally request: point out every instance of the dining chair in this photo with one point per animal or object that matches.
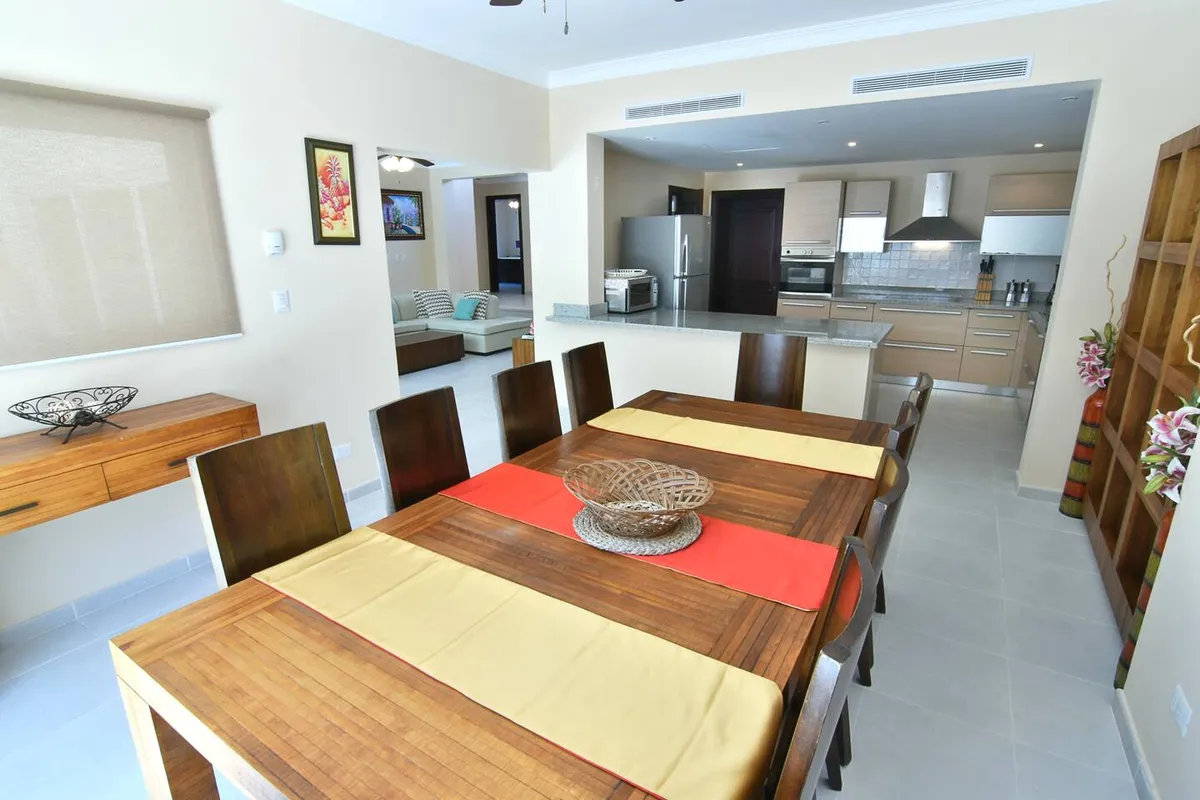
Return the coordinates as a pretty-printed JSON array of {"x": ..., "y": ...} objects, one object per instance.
[
  {"x": 876, "y": 534},
  {"x": 419, "y": 446},
  {"x": 770, "y": 370},
  {"x": 589, "y": 391},
  {"x": 904, "y": 432},
  {"x": 528, "y": 406},
  {"x": 822, "y": 730},
  {"x": 265, "y": 500}
]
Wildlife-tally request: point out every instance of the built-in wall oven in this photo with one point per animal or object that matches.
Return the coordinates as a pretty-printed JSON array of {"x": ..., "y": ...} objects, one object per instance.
[{"x": 807, "y": 271}]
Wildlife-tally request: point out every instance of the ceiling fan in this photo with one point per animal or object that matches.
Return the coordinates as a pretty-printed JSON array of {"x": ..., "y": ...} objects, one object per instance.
[
  {"x": 566, "y": 22},
  {"x": 395, "y": 163}
]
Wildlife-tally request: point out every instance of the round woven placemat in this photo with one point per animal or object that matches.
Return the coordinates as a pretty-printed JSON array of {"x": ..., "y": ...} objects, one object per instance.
[{"x": 677, "y": 538}]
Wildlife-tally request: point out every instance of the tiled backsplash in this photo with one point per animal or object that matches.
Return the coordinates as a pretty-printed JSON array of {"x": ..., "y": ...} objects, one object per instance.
[{"x": 953, "y": 266}]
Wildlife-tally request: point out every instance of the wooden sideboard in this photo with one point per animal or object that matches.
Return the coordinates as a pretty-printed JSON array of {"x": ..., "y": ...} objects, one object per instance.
[{"x": 43, "y": 479}]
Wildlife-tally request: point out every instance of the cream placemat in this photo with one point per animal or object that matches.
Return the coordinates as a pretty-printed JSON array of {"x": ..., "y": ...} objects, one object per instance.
[
  {"x": 669, "y": 720},
  {"x": 859, "y": 460}
]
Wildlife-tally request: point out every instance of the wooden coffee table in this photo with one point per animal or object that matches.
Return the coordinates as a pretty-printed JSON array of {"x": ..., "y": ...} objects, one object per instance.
[{"x": 418, "y": 351}]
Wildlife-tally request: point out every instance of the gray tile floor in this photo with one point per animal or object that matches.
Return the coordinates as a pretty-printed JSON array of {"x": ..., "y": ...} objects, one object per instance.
[{"x": 993, "y": 664}]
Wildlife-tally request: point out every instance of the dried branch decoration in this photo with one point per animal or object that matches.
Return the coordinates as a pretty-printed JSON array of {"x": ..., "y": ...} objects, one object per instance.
[
  {"x": 1187, "y": 339},
  {"x": 1112, "y": 297}
]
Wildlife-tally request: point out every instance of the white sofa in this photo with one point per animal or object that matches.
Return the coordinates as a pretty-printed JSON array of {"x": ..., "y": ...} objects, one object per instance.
[{"x": 479, "y": 336}]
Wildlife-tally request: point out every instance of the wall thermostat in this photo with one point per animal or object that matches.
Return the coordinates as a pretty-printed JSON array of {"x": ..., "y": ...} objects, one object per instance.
[{"x": 273, "y": 242}]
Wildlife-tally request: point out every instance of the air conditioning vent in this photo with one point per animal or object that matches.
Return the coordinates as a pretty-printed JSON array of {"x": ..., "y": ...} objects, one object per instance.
[
  {"x": 675, "y": 108},
  {"x": 1011, "y": 69}
]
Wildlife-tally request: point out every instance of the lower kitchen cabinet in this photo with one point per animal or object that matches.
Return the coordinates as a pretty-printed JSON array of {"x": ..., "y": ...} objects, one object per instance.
[
  {"x": 802, "y": 308},
  {"x": 990, "y": 367},
  {"x": 864, "y": 312},
  {"x": 909, "y": 358},
  {"x": 915, "y": 324}
]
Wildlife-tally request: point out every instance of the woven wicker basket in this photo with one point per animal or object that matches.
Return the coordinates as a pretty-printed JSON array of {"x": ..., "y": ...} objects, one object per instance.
[{"x": 638, "y": 498}]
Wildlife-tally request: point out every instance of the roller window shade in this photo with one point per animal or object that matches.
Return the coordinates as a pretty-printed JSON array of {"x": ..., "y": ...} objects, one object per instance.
[{"x": 111, "y": 234}]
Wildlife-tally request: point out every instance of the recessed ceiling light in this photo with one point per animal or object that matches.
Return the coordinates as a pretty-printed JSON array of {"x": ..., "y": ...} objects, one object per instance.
[
  {"x": 740, "y": 164},
  {"x": 1039, "y": 144},
  {"x": 1070, "y": 98},
  {"x": 822, "y": 122},
  {"x": 851, "y": 144}
]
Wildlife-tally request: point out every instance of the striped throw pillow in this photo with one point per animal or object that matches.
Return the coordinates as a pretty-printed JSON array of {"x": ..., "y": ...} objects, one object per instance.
[
  {"x": 483, "y": 298},
  {"x": 433, "y": 303}
]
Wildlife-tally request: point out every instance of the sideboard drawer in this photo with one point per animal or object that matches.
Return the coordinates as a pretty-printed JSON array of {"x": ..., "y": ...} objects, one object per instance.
[
  {"x": 163, "y": 465},
  {"x": 49, "y": 498}
]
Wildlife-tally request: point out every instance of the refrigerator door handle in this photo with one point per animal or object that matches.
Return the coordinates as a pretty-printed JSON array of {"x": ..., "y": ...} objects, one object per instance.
[
  {"x": 687, "y": 255},
  {"x": 678, "y": 293}
]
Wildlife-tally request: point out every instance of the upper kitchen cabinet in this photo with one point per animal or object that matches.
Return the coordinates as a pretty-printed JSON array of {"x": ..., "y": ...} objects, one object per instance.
[
  {"x": 1045, "y": 193},
  {"x": 1027, "y": 215},
  {"x": 864, "y": 216},
  {"x": 812, "y": 212}
]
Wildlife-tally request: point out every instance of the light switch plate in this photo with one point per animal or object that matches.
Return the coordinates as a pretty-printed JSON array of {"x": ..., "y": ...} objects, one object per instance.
[
  {"x": 281, "y": 300},
  {"x": 341, "y": 451},
  {"x": 1181, "y": 710}
]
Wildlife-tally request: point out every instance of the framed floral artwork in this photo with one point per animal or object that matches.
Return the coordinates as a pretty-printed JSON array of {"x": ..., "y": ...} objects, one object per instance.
[
  {"x": 403, "y": 215},
  {"x": 331, "y": 192}
]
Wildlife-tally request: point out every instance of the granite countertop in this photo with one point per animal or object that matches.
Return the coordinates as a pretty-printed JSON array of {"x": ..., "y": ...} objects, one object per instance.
[
  {"x": 837, "y": 332},
  {"x": 952, "y": 298}
]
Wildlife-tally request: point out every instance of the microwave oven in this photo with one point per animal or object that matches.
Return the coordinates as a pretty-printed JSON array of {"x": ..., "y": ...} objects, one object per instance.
[{"x": 627, "y": 295}]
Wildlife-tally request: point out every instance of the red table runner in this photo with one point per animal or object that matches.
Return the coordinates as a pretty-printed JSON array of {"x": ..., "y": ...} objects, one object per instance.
[{"x": 772, "y": 566}]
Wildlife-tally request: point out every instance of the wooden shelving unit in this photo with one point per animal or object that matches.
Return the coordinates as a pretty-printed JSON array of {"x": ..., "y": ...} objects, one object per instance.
[{"x": 1150, "y": 373}]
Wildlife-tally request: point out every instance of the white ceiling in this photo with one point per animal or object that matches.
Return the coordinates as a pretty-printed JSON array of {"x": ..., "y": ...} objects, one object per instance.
[
  {"x": 626, "y": 37},
  {"x": 1004, "y": 122}
]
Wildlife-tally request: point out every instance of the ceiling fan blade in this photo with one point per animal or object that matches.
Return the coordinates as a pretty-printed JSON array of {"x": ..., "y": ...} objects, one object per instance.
[
  {"x": 505, "y": 2},
  {"x": 424, "y": 162}
]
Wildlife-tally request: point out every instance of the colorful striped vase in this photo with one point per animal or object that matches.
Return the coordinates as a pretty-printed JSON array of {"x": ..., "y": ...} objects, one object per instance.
[
  {"x": 1139, "y": 611},
  {"x": 1081, "y": 460}
]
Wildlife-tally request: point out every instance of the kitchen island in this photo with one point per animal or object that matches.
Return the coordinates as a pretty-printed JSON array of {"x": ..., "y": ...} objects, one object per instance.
[{"x": 696, "y": 352}]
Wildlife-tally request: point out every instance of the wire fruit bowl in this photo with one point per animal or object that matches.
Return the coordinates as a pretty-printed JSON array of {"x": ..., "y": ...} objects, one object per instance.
[
  {"x": 638, "y": 498},
  {"x": 77, "y": 408}
]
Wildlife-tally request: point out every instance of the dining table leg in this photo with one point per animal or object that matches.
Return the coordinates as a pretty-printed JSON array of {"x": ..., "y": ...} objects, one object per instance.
[{"x": 172, "y": 768}]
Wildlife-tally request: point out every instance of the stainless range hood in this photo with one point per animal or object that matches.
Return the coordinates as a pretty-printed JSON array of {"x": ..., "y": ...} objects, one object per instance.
[{"x": 935, "y": 224}]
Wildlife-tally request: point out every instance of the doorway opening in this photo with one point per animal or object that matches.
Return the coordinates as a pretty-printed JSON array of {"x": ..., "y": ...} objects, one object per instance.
[{"x": 506, "y": 257}]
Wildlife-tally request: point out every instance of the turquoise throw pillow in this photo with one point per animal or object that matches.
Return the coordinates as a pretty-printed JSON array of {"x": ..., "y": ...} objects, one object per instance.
[{"x": 466, "y": 308}]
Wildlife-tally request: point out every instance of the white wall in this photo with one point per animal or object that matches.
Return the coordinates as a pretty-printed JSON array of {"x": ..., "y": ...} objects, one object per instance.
[
  {"x": 1140, "y": 51},
  {"x": 485, "y": 188},
  {"x": 257, "y": 65},
  {"x": 412, "y": 264},
  {"x": 637, "y": 187},
  {"x": 462, "y": 246},
  {"x": 1167, "y": 655}
]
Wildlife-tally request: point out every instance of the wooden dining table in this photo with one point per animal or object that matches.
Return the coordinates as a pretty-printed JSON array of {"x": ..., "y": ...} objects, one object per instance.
[{"x": 286, "y": 703}]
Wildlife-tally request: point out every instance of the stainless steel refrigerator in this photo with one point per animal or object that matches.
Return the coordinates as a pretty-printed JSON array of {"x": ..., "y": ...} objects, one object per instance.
[{"x": 675, "y": 250}]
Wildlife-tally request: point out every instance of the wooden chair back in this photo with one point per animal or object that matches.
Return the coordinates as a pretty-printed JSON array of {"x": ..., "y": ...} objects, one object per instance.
[
  {"x": 843, "y": 625},
  {"x": 881, "y": 518},
  {"x": 589, "y": 391},
  {"x": 770, "y": 370},
  {"x": 904, "y": 432},
  {"x": 923, "y": 389},
  {"x": 265, "y": 500},
  {"x": 419, "y": 445},
  {"x": 528, "y": 407}
]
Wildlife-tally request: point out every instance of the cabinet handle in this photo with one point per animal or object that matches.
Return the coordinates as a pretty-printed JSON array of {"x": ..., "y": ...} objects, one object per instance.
[
  {"x": 1031, "y": 211},
  {"x": 924, "y": 311},
  {"x": 856, "y": 308},
  {"x": 801, "y": 305},
  {"x": 864, "y": 213},
  {"x": 1031, "y": 322},
  {"x": 179, "y": 462},
  {"x": 991, "y": 315},
  {"x": 18, "y": 509},
  {"x": 807, "y": 241},
  {"x": 991, "y": 352},
  {"x": 995, "y": 335},
  {"x": 1041, "y": 336},
  {"x": 921, "y": 347}
]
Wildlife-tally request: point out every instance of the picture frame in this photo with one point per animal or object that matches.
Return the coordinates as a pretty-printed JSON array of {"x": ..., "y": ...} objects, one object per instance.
[
  {"x": 403, "y": 215},
  {"x": 331, "y": 192}
]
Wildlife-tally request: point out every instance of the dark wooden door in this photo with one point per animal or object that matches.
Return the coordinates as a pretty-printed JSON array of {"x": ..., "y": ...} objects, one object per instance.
[
  {"x": 684, "y": 201},
  {"x": 747, "y": 231}
]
